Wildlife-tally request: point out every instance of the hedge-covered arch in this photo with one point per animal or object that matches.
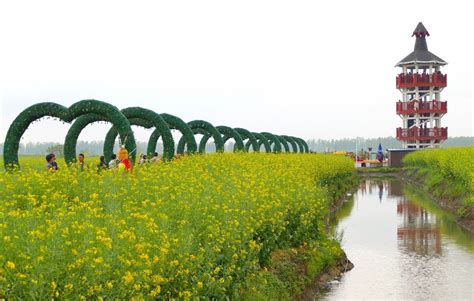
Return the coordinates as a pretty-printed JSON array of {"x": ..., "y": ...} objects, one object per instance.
[
  {"x": 159, "y": 123},
  {"x": 231, "y": 133},
  {"x": 228, "y": 133},
  {"x": 81, "y": 123},
  {"x": 291, "y": 141},
  {"x": 202, "y": 144},
  {"x": 204, "y": 127},
  {"x": 83, "y": 107},
  {"x": 274, "y": 140},
  {"x": 283, "y": 142},
  {"x": 304, "y": 144},
  {"x": 111, "y": 135},
  {"x": 300, "y": 145},
  {"x": 205, "y": 137},
  {"x": 245, "y": 134},
  {"x": 73, "y": 133},
  {"x": 261, "y": 140},
  {"x": 175, "y": 123}
]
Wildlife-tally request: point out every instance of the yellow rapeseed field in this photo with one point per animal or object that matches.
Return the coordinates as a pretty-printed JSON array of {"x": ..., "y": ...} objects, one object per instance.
[
  {"x": 450, "y": 171},
  {"x": 201, "y": 225}
]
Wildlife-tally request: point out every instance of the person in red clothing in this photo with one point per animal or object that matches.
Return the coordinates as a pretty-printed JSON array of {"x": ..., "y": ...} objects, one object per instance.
[{"x": 124, "y": 164}]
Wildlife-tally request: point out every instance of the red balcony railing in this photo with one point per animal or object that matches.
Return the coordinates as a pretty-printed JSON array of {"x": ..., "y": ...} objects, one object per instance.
[
  {"x": 416, "y": 133},
  {"x": 421, "y": 107},
  {"x": 421, "y": 80}
]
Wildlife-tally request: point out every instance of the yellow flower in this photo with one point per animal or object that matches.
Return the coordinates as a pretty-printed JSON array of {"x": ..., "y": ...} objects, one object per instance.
[
  {"x": 155, "y": 292},
  {"x": 10, "y": 265},
  {"x": 174, "y": 263},
  {"x": 128, "y": 278}
]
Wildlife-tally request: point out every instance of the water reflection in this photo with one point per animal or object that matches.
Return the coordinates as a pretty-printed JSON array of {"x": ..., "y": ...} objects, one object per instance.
[
  {"x": 403, "y": 247},
  {"x": 418, "y": 231}
]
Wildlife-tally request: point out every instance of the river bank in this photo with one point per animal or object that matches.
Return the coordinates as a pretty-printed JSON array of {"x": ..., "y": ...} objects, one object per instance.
[{"x": 301, "y": 273}]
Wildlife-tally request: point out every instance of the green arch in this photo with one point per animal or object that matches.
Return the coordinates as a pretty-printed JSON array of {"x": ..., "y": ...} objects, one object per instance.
[
  {"x": 174, "y": 123},
  {"x": 291, "y": 141},
  {"x": 261, "y": 140},
  {"x": 228, "y": 133},
  {"x": 203, "y": 142},
  {"x": 283, "y": 142},
  {"x": 73, "y": 133},
  {"x": 111, "y": 135},
  {"x": 83, "y": 107},
  {"x": 204, "y": 127},
  {"x": 231, "y": 133},
  {"x": 245, "y": 134},
  {"x": 300, "y": 145},
  {"x": 305, "y": 145},
  {"x": 274, "y": 140},
  {"x": 159, "y": 123}
]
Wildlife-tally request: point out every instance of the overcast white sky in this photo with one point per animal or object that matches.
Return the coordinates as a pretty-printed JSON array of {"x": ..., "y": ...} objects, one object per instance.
[{"x": 314, "y": 69}]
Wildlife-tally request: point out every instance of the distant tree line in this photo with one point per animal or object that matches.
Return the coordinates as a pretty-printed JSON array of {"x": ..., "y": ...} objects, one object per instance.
[
  {"x": 350, "y": 144},
  {"x": 95, "y": 148}
]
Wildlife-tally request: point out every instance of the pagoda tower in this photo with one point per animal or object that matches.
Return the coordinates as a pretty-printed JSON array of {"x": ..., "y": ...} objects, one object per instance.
[{"x": 421, "y": 107}]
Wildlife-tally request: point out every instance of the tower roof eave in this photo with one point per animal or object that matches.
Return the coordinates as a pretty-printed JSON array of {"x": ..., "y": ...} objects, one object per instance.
[{"x": 421, "y": 57}]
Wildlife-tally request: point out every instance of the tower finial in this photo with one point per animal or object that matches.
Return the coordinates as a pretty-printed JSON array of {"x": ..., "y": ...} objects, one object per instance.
[{"x": 420, "y": 31}]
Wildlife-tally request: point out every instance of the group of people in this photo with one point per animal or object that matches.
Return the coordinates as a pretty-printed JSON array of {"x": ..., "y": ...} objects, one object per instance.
[
  {"x": 119, "y": 161},
  {"x": 143, "y": 159},
  {"x": 421, "y": 77}
]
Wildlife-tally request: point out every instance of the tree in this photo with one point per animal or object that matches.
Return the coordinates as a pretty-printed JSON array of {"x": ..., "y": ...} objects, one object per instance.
[{"x": 58, "y": 149}]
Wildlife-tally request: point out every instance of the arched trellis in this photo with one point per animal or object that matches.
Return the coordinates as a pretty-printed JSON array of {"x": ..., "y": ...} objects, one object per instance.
[
  {"x": 283, "y": 142},
  {"x": 111, "y": 135},
  {"x": 88, "y": 111},
  {"x": 203, "y": 127},
  {"x": 80, "y": 108},
  {"x": 291, "y": 141},
  {"x": 141, "y": 117},
  {"x": 261, "y": 140},
  {"x": 158, "y": 122},
  {"x": 245, "y": 134},
  {"x": 305, "y": 145},
  {"x": 273, "y": 140},
  {"x": 228, "y": 133},
  {"x": 298, "y": 142},
  {"x": 175, "y": 123},
  {"x": 82, "y": 122}
]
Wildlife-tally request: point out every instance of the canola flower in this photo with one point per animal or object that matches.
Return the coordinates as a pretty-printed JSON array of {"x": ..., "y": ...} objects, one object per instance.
[
  {"x": 454, "y": 166},
  {"x": 201, "y": 225}
]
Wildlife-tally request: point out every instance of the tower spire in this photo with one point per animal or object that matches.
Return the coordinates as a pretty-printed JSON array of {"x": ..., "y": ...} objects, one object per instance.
[{"x": 420, "y": 33}]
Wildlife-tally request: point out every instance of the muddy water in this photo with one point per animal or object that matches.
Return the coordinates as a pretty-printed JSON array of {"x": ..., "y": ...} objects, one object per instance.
[{"x": 403, "y": 247}]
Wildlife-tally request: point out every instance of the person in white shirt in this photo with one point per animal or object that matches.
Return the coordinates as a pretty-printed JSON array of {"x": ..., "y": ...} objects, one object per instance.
[{"x": 114, "y": 162}]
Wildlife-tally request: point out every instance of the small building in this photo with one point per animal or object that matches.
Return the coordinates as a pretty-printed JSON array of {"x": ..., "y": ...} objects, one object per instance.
[{"x": 395, "y": 156}]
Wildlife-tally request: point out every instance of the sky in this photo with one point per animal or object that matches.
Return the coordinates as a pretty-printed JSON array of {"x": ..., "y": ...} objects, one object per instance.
[{"x": 312, "y": 69}]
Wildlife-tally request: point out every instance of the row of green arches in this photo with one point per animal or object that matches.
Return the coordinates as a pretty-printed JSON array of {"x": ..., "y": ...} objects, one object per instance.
[{"x": 85, "y": 112}]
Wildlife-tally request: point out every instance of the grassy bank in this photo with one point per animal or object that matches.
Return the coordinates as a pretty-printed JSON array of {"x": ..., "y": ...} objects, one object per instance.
[
  {"x": 448, "y": 175},
  {"x": 223, "y": 225}
]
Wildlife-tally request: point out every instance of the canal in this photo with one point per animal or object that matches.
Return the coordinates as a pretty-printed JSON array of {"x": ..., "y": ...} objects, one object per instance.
[{"x": 403, "y": 247}]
